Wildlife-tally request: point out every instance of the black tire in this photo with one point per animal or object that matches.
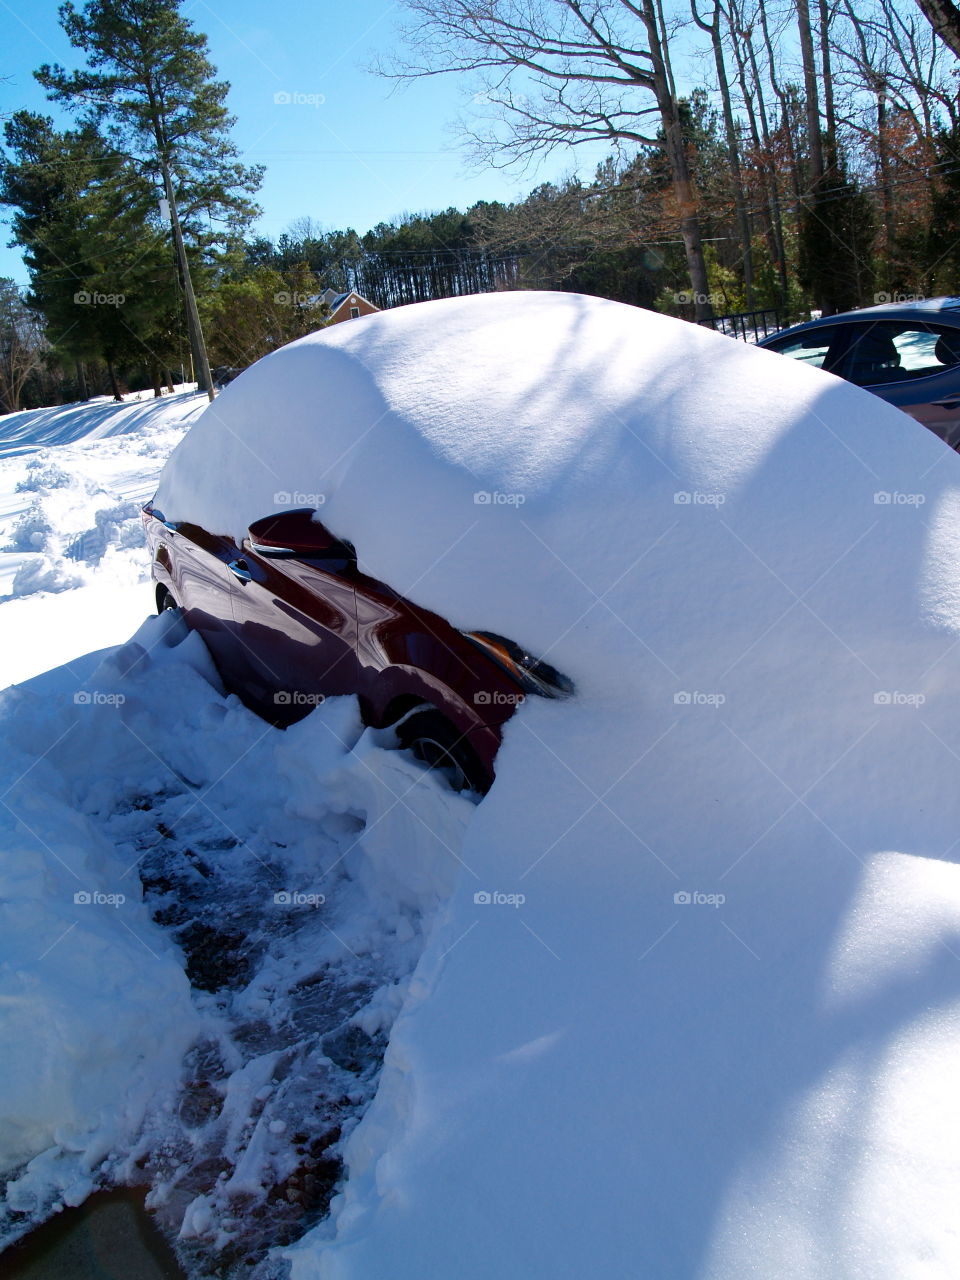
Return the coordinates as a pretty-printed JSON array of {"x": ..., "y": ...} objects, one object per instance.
[
  {"x": 435, "y": 741},
  {"x": 166, "y": 601}
]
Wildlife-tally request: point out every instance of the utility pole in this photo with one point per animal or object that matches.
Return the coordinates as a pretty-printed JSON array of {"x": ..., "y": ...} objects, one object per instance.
[{"x": 204, "y": 380}]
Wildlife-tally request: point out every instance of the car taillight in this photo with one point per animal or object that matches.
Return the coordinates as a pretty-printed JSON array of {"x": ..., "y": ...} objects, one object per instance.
[{"x": 532, "y": 674}]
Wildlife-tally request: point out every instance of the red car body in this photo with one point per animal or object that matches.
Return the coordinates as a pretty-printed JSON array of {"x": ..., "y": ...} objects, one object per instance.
[{"x": 290, "y": 619}]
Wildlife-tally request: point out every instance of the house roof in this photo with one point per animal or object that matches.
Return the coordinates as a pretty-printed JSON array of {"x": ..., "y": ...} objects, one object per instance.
[
  {"x": 336, "y": 300},
  {"x": 341, "y": 298}
]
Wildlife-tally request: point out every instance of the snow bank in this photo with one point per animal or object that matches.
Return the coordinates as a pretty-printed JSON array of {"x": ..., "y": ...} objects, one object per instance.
[
  {"x": 197, "y": 975},
  {"x": 72, "y": 480},
  {"x": 96, "y": 1007},
  {"x": 96, "y": 419},
  {"x": 625, "y": 1046}
]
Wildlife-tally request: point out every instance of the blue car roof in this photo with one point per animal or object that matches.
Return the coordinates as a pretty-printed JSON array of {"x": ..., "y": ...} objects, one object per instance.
[{"x": 923, "y": 308}]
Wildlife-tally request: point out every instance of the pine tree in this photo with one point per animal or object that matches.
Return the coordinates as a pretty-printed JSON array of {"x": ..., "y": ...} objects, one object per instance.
[
  {"x": 100, "y": 266},
  {"x": 837, "y": 231},
  {"x": 150, "y": 87}
]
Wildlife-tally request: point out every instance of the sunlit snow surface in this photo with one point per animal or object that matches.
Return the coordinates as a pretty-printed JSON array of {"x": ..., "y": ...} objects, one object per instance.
[
  {"x": 72, "y": 480},
  {"x": 679, "y": 998}
]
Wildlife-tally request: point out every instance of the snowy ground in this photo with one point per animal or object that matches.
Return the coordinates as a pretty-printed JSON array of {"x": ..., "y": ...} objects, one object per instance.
[
  {"x": 680, "y": 998},
  {"x": 198, "y": 971},
  {"x": 72, "y": 480}
]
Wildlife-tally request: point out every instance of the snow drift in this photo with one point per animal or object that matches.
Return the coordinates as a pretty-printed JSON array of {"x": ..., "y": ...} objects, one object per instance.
[
  {"x": 72, "y": 481},
  {"x": 693, "y": 1006},
  {"x": 198, "y": 976}
]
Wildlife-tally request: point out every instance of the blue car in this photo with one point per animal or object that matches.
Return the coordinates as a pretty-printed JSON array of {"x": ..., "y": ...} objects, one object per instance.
[{"x": 907, "y": 353}]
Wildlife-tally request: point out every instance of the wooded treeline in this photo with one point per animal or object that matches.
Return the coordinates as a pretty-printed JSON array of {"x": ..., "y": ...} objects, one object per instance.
[{"x": 816, "y": 165}]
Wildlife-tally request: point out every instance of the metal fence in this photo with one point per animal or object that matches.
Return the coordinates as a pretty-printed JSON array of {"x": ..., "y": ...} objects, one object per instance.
[{"x": 748, "y": 326}]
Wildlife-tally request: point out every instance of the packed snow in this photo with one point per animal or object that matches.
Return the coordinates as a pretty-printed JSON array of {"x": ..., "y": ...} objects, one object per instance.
[
  {"x": 680, "y": 996},
  {"x": 197, "y": 975}
]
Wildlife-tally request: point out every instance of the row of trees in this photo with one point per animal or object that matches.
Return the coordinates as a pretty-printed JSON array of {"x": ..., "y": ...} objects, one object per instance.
[
  {"x": 838, "y": 123},
  {"x": 94, "y": 206},
  {"x": 816, "y": 165}
]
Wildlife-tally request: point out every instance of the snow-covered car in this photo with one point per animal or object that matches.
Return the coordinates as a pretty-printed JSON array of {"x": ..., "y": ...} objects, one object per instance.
[
  {"x": 290, "y": 619},
  {"x": 907, "y": 353}
]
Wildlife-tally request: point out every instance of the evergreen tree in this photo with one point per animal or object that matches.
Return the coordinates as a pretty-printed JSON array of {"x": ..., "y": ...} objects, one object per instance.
[
  {"x": 836, "y": 233},
  {"x": 150, "y": 87},
  {"x": 101, "y": 270}
]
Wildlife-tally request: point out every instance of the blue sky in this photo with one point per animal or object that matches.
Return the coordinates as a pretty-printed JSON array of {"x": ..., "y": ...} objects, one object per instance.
[{"x": 349, "y": 149}]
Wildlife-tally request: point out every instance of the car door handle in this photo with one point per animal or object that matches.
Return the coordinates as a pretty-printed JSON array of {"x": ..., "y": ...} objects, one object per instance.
[
  {"x": 239, "y": 570},
  {"x": 952, "y": 402}
]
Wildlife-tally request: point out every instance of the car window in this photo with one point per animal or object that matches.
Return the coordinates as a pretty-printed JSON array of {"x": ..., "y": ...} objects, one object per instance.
[
  {"x": 897, "y": 351},
  {"x": 810, "y": 347}
]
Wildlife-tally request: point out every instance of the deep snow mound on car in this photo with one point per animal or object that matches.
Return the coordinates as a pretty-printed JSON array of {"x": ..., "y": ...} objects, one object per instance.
[
  {"x": 553, "y": 440},
  {"x": 692, "y": 1007}
]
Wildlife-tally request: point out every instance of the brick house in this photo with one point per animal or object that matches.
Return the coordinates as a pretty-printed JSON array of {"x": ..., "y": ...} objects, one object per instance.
[{"x": 346, "y": 306}]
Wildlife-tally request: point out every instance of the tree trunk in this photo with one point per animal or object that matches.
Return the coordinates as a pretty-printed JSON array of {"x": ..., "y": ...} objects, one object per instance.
[
  {"x": 814, "y": 140},
  {"x": 883, "y": 160},
  {"x": 114, "y": 387},
  {"x": 676, "y": 152},
  {"x": 742, "y": 45},
  {"x": 783, "y": 99},
  {"x": 771, "y": 181},
  {"x": 733, "y": 149},
  {"x": 944, "y": 17},
  {"x": 202, "y": 365},
  {"x": 829, "y": 108}
]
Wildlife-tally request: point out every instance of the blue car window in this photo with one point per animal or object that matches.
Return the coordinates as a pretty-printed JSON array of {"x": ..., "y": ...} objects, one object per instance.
[
  {"x": 887, "y": 351},
  {"x": 810, "y": 347}
]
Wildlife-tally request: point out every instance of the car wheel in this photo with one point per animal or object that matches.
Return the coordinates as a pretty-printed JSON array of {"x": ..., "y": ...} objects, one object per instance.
[
  {"x": 166, "y": 601},
  {"x": 436, "y": 742}
]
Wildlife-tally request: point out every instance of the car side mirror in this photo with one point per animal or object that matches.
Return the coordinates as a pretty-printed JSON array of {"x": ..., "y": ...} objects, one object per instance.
[{"x": 297, "y": 535}]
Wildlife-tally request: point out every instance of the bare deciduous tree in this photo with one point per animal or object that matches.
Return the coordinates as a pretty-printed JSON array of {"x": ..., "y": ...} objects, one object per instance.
[
  {"x": 715, "y": 30},
  {"x": 22, "y": 346},
  {"x": 564, "y": 72}
]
